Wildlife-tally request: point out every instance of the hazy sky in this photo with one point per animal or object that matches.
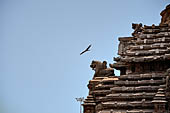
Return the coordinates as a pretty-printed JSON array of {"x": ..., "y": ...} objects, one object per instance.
[{"x": 41, "y": 70}]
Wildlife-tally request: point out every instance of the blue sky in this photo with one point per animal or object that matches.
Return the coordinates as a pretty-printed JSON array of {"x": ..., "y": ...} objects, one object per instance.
[{"x": 41, "y": 70}]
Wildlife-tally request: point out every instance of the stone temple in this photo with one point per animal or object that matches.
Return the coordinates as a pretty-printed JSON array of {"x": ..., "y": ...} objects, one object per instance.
[{"x": 144, "y": 82}]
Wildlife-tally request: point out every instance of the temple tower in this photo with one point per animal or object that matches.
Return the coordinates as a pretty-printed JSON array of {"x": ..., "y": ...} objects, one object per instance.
[{"x": 144, "y": 63}]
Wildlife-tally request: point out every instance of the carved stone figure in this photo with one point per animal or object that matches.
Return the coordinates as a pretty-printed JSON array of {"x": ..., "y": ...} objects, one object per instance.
[
  {"x": 101, "y": 69},
  {"x": 165, "y": 15},
  {"x": 137, "y": 28}
]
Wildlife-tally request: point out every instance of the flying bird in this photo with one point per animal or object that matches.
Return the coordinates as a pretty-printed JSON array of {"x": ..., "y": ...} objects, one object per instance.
[{"x": 87, "y": 49}]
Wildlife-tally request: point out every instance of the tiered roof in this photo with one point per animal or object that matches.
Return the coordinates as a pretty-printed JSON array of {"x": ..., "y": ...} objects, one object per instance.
[
  {"x": 151, "y": 44},
  {"x": 144, "y": 83}
]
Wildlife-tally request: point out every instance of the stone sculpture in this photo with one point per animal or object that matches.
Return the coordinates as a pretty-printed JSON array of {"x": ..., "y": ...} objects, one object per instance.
[{"x": 101, "y": 69}]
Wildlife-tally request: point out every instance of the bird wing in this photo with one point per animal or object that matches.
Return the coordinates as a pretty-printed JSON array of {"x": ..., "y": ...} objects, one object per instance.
[
  {"x": 82, "y": 52},
  {"x": 87, "y": 49}
]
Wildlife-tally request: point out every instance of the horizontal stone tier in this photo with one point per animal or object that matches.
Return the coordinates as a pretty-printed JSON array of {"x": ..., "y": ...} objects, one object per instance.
[
  {"x": 127, "y": 104},
  {"x": 145, "y": 58},
  {"x": 89, "y": 100},
  {"x": 89, "y": 104},
  {"x": 153, "y": 36},
  {"x": 152, "y": 41},
  {"x": 142, "y": 76},
  {"x": 131, "y": 96},
  {"x": 155, "y": 30},
  {"x": 104, "y": 86},
  {"x": 128, "y": 111},
  {"x": 101, "y": 92},
  {"x": 149, "y": 47},
  {"x": 156, "y": 26},
  {"x": 125, "y": 39},
  {"x": 139, "y": 82},
  {"x": 124, "y": 96},
  {"x": 108, "y": 80},
  {"x": 119, "y": 65},
  {"x": 135, "y": 89},
  {"x": 113, "y": 111},
  {"x": 140, "y": 111},
  {"x": 150, "y": 31},
  {"x": 148, "y": 52}
]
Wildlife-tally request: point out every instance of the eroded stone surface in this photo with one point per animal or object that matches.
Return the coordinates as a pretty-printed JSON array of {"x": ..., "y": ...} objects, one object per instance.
[
  {"x": 165, "y": 16},
  {"x": 144, "y": 82}
]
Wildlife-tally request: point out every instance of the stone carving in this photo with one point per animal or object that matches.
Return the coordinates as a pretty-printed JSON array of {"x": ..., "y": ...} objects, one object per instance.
[
  {"x": 137, "y": 28},
  {"x": 101, "y": 69},
  {"x": 165, "y": 15},
  {"x": 144, "y": 82}
]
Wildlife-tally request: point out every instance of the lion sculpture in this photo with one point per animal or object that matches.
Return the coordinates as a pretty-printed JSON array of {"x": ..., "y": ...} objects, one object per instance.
[{"x": 101, "y": 69}]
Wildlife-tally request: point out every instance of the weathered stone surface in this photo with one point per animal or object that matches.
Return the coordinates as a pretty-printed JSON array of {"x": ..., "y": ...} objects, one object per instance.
[
  {"x": 165, "y": 15},
  {"x": 144, "y": 82}
]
